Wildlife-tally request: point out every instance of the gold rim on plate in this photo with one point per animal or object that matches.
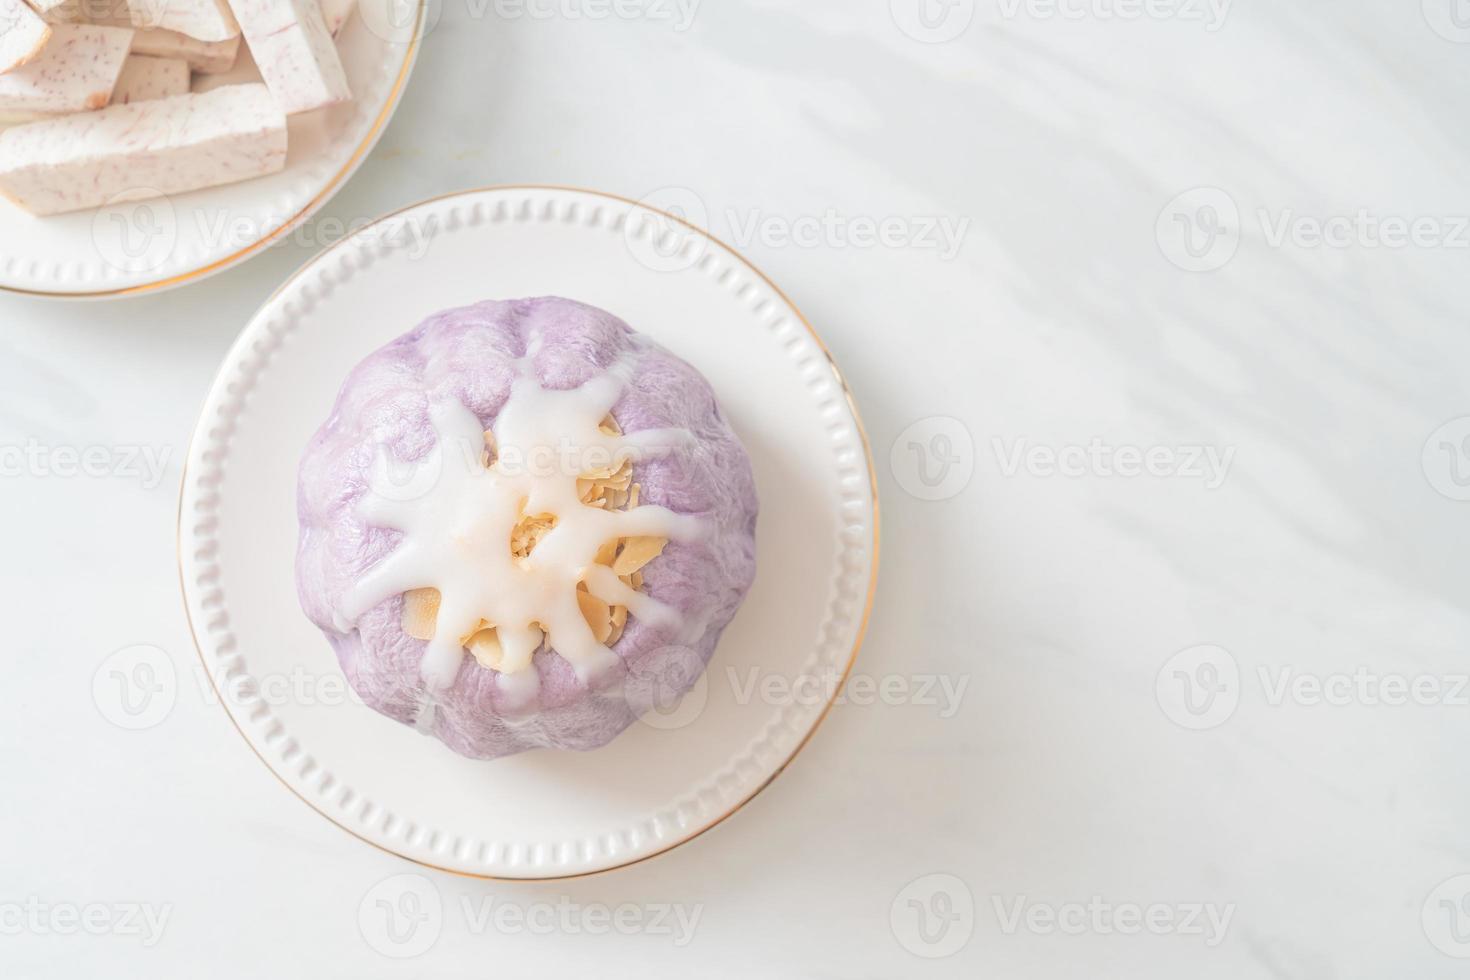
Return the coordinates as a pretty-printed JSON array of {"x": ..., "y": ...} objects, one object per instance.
[
  {"x": 867, "y": 603},
  {"x": 332, "y": 186}
]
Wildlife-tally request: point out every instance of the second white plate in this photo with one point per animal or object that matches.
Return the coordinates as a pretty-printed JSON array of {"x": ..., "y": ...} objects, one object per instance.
[
  {"x": 681, "y": 770},
  {"x": 146, "y": 246}
]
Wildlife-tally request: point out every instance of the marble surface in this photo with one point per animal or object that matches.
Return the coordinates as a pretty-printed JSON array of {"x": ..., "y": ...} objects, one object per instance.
[{"x": 1155, "y": 311}]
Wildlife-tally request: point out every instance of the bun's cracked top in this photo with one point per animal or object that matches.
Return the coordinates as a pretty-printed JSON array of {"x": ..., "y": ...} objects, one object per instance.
[{"x": 523, "y": 525}]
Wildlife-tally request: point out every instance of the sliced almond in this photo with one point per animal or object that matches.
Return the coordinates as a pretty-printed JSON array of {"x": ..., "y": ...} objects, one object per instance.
[
  {"x": 528, "y": 532},
  {"x": 610, "y": 426},
  {"x": 597, "y": 614},
  {"x": 638, "y": 552},
  {"x": 608, "y": 552},
  {"x": 633, "y": 492},
  {"x": 485, "y": 647},
  {"x": 619, "y": 620},
  {"x": 620, "y": 479},
  {"x": 606, "y": 487},
  {"x": 421, "y": 613},
  {"x": 484, "y": 624}
]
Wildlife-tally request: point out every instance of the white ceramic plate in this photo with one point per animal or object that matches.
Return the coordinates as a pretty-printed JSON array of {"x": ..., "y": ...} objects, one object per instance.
[
  {"x": 686, "y": 766},
  {"x": 145, "y": 246}
]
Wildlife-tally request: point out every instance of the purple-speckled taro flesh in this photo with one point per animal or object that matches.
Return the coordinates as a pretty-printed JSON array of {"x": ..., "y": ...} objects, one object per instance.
[{"x": 468, "y": 354}]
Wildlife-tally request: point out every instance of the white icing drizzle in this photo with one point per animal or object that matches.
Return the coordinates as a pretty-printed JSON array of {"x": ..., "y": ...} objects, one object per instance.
[{"x": 457, "y": 516}]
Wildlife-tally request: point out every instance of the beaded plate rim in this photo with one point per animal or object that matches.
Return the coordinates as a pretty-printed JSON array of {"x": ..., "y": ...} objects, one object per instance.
[{"x": 722, "y": 793}]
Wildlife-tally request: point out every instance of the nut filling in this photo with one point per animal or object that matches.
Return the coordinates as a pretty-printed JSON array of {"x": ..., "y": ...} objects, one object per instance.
[{"x": 609, "y": 488}]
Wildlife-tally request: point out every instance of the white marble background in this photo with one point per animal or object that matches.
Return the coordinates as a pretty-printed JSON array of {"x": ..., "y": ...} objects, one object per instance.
[{"x": 1232, "y": 684}]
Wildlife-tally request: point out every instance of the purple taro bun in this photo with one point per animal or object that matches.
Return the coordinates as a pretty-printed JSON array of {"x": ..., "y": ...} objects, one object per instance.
[{"x": 523, "y": 526}]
